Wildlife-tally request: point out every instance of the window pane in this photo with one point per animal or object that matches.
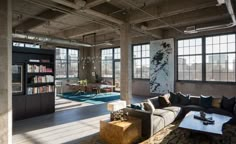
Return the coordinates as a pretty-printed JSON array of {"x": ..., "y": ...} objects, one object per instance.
[
  {"x": 209, "y": 49},
  {"x": 145, "y": 51},
  {"x": 107, "y": 68},
  {"x": 216, "y": 40},
  {"x": 231, "y": 47},
  {"x": 145, "y": 68},
  {"x": 107, "y": 54},
  {"x": 73, "y": 69},
  {"x": 231, "y": 38},
  {"x": 223, "y": 39},
  {"x": 180, "y": 43},
  {"x": 137, "y": 68},
  {"x": 117, "y": 53},
  {"x": 73, "y": 54},
  {"x": 216, "y": 48},
  {"x": 61, "y": 66},
  {"x": 223, "y": 48},
  {"x": 137, "y": 51}
]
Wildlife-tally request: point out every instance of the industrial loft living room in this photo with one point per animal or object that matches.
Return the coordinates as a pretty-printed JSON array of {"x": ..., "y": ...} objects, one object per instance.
[{"x": 117, "y": 72}]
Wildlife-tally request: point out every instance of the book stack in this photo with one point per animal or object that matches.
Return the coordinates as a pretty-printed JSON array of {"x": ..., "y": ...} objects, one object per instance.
[
  {"x": 42, "y": 68},
  {"x": 37, "y": 69},
  {"x": 45, "y": 61}
]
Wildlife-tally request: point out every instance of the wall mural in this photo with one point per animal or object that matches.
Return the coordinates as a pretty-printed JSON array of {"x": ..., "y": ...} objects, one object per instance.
[{"x": 162, "y": 66}]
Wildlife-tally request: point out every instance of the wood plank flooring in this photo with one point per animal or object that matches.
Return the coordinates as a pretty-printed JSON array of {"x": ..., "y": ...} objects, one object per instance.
[{"x": 72, "y": 123}]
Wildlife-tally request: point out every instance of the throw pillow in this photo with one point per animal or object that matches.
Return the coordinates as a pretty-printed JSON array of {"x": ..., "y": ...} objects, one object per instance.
[
  {"x": 148, "y": 106},
  {"x": 164, "y": 100},
  {"x": 234, "y": 111},
  {"x": 228, "y": 103},
  {"x": 174, "y": 99},
  {"x": 137, "y": 106},
  {"x": 216, "y": 102},
  {"x": 206, "y": 101},
  {"x": 183, "y": 99},
  {"x": 155, "y": 102}
]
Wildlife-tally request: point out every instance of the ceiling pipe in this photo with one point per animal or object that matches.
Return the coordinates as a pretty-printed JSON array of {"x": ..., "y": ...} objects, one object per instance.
[
  {"x": 229, "y": 7},
  {"x": 47, "y": 39}
]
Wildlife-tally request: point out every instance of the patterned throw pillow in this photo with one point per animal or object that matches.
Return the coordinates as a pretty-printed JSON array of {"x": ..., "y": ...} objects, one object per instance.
[{"x": 216, "y": 102}]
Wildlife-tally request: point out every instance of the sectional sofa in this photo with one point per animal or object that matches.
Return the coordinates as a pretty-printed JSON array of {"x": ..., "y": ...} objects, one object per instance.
[{"x": 176, "y": 108}]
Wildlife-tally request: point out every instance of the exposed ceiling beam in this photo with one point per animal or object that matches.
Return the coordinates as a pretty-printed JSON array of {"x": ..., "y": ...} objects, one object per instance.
[
  {"x": 88, "y": 11},
  {"x": 94, "y": 3},
  {"x": 189, "y": 19},
  {"x": 32, "y": 23},
  {"x": 172, "y": 9},
  {"x": 151, "y": 34}
]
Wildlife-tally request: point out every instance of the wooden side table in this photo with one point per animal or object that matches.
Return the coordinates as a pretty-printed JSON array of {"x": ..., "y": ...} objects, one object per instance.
[{"x": 120, "y": 132}]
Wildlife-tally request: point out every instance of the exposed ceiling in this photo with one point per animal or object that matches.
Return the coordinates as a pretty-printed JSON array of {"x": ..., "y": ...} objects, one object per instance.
[{"x": 74, "y": 19}]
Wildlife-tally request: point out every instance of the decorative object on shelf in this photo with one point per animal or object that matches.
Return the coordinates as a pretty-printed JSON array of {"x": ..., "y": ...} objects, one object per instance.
[{"x": 116, "y": 110}]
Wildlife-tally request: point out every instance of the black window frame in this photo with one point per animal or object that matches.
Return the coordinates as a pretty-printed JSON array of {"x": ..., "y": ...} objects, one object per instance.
[
  {"x": 67, "y": 63},
  {"x": 112, "y": 60},
  {"x": 133, "y": 59},
  {"x": 203, "y": 59}
]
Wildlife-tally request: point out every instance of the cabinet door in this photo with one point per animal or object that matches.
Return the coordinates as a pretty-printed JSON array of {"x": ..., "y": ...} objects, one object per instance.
[
  {"x": 47, "y": 103},
  {"x": 32, "y": 105},
  {"x": 18, "y": 105}
]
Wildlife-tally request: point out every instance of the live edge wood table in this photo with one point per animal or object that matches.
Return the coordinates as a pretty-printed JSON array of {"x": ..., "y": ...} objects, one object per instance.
[{"x": 120, "y": 132}]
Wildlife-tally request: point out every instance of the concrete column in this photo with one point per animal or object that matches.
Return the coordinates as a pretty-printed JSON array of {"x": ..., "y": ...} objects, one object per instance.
[
  {"x": 126, "y": 62},
  {"x": 5, "y": 72}
]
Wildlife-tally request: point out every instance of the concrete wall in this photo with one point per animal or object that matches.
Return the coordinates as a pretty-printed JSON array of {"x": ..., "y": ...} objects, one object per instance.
[{"x": 211, "y": 89}]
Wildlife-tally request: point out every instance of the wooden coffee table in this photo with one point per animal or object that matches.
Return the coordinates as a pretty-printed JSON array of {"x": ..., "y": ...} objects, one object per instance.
[
  {"x": 190, "y": 123},
  {"x": 120, "y": 132}
]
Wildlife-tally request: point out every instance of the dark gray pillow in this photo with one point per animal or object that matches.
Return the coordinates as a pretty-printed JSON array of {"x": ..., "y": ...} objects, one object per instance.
[
  {"x": 183, "y": 99},
  {"x": 206, "y": 101},
  {"x": 155, "y": 102},
  {"x": 174, "y": 99},
  {"x": 228, "y": 103}
]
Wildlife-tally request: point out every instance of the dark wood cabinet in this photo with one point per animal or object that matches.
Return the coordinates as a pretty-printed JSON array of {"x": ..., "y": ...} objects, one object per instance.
[
  {"x": 42, "y": 101},
  {"x": 19, "y": 107}
]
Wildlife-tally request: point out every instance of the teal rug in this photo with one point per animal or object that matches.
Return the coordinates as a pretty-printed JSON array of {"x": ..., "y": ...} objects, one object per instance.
[{"x": 91, "y": 98}]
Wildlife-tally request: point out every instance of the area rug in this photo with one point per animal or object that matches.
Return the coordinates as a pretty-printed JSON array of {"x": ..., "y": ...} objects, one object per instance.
[
  {"x": 92, "y": 98},
  {"x": 174, "y": 135}
]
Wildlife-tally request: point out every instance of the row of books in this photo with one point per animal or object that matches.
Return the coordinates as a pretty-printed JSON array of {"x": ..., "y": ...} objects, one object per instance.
[
  {"x": 42, "y": 60},
  {"x": 39, "y": 90},
  {"x": 37, "y": 69},
  {"x": 41, "y": 79}
]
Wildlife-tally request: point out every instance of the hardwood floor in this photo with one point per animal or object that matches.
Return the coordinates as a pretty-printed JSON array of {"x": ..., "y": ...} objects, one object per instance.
[{"x": 73, "y": 122}]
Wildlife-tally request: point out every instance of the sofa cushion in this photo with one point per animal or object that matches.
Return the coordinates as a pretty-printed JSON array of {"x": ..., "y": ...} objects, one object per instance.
[
  {"x": 228, "y": 103},
  {"x": 219, "y": 111},
  {"x": 216, "y": 102},
  {"x": 194, "y": 100},
  {"x": 167, "y": 115},
  {"x": 164, "y": 100},
  {"x": 184, "y": 99},
  {"x": 189, "y": 108},
  {"x": 155, "y": 102},
  {"x": 148, "y": 106},
  {"x": 206, "y": 101},
  {"x": 138, "y": 106},
  {"x": 174, "y": 99},
  {"x": 175, "y": 109},
  {"x": 158, "y": 123}
]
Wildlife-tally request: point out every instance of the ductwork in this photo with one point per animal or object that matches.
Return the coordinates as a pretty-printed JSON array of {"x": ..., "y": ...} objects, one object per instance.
[
  {"x": 46, "y": 39},
  {"x": 229, "y": 7}
]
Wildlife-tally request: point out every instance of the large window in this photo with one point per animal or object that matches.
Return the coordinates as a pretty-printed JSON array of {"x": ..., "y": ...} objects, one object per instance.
[
  {"x": 190, "y": 59},
  {"x": 141, "y": 61},
  {"x": 220, "y": 58},
  {"x": 108, "y": 56},
  {"x": 67, "y": 63},
  {"x": 216, "y": 54}
]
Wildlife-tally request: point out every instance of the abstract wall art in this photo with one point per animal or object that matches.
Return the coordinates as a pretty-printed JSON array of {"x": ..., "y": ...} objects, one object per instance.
[{"x": 162, "y": 66}]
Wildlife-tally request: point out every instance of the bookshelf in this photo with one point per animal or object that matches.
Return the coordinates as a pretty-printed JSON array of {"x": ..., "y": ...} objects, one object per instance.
[{"x": 38, "y": 95}]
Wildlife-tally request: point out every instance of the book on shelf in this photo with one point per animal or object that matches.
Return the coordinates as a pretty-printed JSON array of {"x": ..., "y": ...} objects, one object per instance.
[
  {"x": 45, "y": 60},
  {"x": 37, "y": 69},
  {"x": 34, "y": 60},
  {"x": 41, "y": 79},
  {"x": 40, "y": 90}
]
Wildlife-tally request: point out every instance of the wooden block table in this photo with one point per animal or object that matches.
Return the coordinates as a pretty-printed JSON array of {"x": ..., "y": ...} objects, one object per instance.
[{"x": 120, "y": 132}]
